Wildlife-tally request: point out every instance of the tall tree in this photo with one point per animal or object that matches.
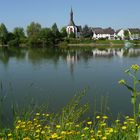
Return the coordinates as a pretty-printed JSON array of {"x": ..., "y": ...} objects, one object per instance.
[
  {"x": 56, "y": 33},
  {"x": 86, "y": 32},
  {"x": 33, "y": 31},
  {"x": 3, "y": 34},
  {"x": 63, "y": 32}
]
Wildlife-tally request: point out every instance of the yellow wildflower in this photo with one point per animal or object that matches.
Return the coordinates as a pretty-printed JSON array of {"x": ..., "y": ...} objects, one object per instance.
[
  {"x": 124, "y": 127},
  {"x": 135, "y": 67},
  {"x": 26, "y": 138},
  {"x": 97, "y": 117},
  {"x": 89, "y": 123},
  {"x": 9, "y": 135},
  {"x": 105, "y": 117},
  {"x": 58, "y": 126}
]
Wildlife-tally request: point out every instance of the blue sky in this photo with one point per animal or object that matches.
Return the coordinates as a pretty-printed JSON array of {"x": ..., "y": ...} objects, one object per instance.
[{"x": 95, "y": 13}]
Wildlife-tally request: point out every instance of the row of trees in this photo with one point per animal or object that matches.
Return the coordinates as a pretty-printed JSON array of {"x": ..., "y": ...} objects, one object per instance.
[{"x": 36, "y": 36}]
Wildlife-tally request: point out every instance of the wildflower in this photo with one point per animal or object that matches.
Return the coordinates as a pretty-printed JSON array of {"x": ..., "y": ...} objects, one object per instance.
[
  {"x": 53, "y": 136},
  {"x": 103, "y": 124},
  {"x": 104, "y": 138},
  {"x": 135, "y": 67},
  {"x": 97, "y": 117},
  {"x": 82, "y": 135},
  {"x": 9, "y": 135},
  {"x": 92, "y": 138},
  {"x": 37, "y": 131},
  {"x": 58, "y": 126},
  {"x": 117, "y": 121},
  {"x": 124, "y": 122},
  {"x": 86, "y": 128},
  {"x": 47, "y": 115},
  {"x": 26, "y": 138},
  {"x": 91, "y": 131},
  {"x": 105, "y": 117},
  {"x": 124, "y": 127},
  {"x": 89, "y": 123},
  {"x": 122, "y": 81},
  {"x": 42, "y": 132},
  {"x": 37, "y": 114},
  {"x": 77, "y": 125},
  {"x": 17, "y": 127},
  {"x": 63, "y": 132}
]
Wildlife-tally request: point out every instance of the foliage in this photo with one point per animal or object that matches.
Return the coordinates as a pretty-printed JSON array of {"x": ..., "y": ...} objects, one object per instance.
[
  {"x": 86, "y": 32},
  {"x": 3, "y": 34},
  {"x": 132, "y": 72}
]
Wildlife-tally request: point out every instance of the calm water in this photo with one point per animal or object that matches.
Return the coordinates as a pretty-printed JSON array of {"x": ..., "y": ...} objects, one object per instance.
[{"x": 52, "y": 77}]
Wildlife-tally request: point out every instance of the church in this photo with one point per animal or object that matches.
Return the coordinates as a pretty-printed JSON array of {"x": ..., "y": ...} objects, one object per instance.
[{"x": 72, "y": 28}]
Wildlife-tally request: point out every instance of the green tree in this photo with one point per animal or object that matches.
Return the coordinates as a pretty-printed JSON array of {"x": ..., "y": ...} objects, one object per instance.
[
  {"x": 56, "y": 33},
  {"x": 3, "y": 34},
  {"x": 86, "y": 32},
  {"x": 33, "y": 31},
  {"x": 46, "y": 37},
  {"x": 63, "y": 32},
  {"x": 126, "y": 34}
]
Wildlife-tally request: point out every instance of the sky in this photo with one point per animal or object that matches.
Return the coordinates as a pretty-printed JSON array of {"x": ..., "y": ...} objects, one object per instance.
[{"x": 95, "y": 13}]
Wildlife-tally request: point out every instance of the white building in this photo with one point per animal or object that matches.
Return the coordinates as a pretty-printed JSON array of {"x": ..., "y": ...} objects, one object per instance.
[
  {"x": 107, "y": 33},
  {"x": 72, "y": 28}
]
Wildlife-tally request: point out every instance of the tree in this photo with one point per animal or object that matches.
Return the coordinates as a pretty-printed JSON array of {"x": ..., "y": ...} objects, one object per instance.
[
  {"x": 46, "y": 37},
  {"x": 33, "y": 31},
  {"x": 126, "y": 34},
  {"x": 56, "y": 33},
  {"x": 18, "y": 37},
  {"x": 3, "y": 34},
  {"x": 63, "y": 32},
  {"x": 86, "y": 32}
]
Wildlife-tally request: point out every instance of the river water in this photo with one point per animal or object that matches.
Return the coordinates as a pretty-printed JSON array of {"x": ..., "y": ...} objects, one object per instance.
[{"x": 53, "y": 76}]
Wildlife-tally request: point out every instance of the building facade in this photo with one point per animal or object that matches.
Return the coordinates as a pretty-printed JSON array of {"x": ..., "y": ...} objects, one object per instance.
[{"x": 72, "y": 28}]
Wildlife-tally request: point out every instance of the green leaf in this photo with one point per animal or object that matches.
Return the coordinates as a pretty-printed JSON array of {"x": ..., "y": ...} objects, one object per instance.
[
  {"x": 138, "y": 133},
  {"x": 129, "y": 88}
]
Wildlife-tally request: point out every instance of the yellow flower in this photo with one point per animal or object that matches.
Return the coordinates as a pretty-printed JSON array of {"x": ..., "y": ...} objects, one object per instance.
[
  {"x": 82, "y": 135},
  {"x": 104, "y": 138},
  {"x": 124, "y": 122},
  {"x": 37, "y": 114},
  {"x": 37, "y": 131},
  {"x": 9, "y": 135},
  {"x": 26, "y": 138},
  {"x": 77, "y": 125},
  {"x": 92, "y": 138},
  {"x": 47, "y": 115},
  {"x": 89, "y": 123},
  {"x": 105, "y": 117},
  {"x": 58, "y": 126},
  {"x": 53, "y": 136},
  {"x": 86, "y": 128},
  {"x": 63, "y": 132},
  {"x": 124, "y": 127},
  {"x": 117, "y": 121},
  {"x": 135, "y": 67},
  {"x": 97, "y": 117},
  {"x": 42, "y": 132},
  {"x": 103, "y": 124},
  {"x": 122, "y": 81}
]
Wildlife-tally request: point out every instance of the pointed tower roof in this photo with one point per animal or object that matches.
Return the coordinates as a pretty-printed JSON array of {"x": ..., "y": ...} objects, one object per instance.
[{"x": 71, "y": 23}]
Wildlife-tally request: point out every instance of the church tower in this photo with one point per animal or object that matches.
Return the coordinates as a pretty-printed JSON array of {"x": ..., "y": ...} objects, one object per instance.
[{"x": 71, "y": 28}]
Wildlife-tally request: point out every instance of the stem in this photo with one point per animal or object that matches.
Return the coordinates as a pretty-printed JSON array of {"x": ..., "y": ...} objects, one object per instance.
[{"x": 135, "y": 99}]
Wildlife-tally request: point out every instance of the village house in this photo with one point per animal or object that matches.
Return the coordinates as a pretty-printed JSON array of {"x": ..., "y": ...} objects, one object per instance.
[
  {"x": 99, "y": 33},
  {"x": 134, "y": 33}
]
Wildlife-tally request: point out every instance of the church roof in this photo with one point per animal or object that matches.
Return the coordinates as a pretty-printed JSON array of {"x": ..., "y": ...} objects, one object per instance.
[{"x": 71, "y": 23}]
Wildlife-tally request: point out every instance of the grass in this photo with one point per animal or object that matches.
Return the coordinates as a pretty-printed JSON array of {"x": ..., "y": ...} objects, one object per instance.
[{"x": 68, "y": 125}]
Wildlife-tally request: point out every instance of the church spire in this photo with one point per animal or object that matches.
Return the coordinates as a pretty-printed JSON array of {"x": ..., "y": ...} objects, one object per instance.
[{"x": 71, "y": 18}]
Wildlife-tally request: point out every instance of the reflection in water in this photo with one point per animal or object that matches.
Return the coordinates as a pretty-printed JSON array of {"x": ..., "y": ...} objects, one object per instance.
[{"x": 46, "y": 70}]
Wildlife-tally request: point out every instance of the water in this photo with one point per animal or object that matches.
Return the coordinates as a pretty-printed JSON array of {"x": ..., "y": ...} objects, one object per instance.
[{"x": 54, "y": 76}]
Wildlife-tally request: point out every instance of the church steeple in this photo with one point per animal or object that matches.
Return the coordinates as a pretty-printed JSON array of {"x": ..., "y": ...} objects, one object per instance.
[{"x": 71, "y": 23}]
